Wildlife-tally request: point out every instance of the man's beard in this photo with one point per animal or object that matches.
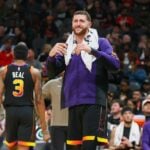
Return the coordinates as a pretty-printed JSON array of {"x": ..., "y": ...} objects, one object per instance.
[
  {"x": 128, "y": 122},
  {"x": 82, "y": 32}
]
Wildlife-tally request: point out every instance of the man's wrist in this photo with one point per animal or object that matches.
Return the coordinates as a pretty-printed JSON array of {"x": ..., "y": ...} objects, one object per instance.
[
  {"x": 46, "y": 131},
  {"x": 129, "y": 145},
  {"x": 92, "y": 50},
  {"x": 89, "y": 50}
]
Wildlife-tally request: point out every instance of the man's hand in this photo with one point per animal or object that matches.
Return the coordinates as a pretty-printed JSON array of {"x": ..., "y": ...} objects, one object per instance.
[
  {"x": 82, "y": 47},
  {"x": 120, "y": 147},
  {"x": 125, "y": 141},
  {"x": 2, "y": 127},
  {"x": 59, "y": 48},
  {"x": 46, "y": 136}
]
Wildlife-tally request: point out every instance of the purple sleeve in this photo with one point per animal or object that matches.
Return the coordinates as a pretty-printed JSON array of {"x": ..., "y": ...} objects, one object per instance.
[
  {"x": 104, "y": 47},
  {"x": 54, "y": 60},
  {"x": 146, "y": 137},
  {"x": 50, "y": 60},
  {"x": 55, "y": 65},
  {"x": 105, "y": 52}
]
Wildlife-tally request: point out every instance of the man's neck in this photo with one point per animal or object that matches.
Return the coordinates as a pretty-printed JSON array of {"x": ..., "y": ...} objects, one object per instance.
[
  {"x": 147, "y": 118},
  {"x": 19, "y": 62},
  {"x": 80, "y": 38},
  {"x": 116, "y": 116},
  {"x": 128, "y": 125}
]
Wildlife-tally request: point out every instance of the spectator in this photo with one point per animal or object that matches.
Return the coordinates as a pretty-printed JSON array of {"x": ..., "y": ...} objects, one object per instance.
[
  {"x": 38, "y": 43},
  {"x": 49, "y": 29},
  {"x": 125, "y": 18},
  {"x": 115, "y": 114},
  {"x": 142, "y": 47},
  {"x": 137, "y": 73},
  {"x": 32, "y": 60},
  {"x": 112, "y": 8},
  {"x": 3, "y": 10},
  {"x": 139, "y": 118},
  {"x": 42, "y": 59},
  {"x": 44, "y": 54},
  {"x": 137, "y": 100},
  {"x": 2, "y": 33},
  {"x": 59, "y": 120},
  {"x": 146, "y": 87},
  {"x": 124, "y": 91},
  {"x": 127, "y": 134},
  {"x": 146, "y": 107},
  {"x": 19, "y": 34},
  {"x": 6, "y": 55},
  {"x": 146, "y": 127},
  {"x": 89, "y": 7}
]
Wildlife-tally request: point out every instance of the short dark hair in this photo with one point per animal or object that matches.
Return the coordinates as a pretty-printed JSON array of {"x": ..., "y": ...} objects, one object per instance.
[
  {"x": 83, "y": 12},
  {"x": 125, "y": 109},
  {"x": 21, "y": 51},
  {"x": 117, "y": 101}
]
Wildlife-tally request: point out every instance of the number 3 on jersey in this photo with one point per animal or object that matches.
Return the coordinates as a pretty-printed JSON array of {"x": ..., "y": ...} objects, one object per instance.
[{"x": 19, "y": 87}]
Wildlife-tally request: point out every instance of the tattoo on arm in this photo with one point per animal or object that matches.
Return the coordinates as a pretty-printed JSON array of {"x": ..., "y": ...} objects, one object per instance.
[{"x": 38, "y": 88}]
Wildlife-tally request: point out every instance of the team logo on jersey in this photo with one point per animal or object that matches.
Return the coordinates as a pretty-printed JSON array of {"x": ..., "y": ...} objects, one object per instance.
[{"x": 39, "y": 135}]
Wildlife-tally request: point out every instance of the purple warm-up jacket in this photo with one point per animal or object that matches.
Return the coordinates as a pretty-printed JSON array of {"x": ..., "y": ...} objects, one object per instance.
[
  {"x": 146, "y": 136},
  {"x": 81, "y": 86}
]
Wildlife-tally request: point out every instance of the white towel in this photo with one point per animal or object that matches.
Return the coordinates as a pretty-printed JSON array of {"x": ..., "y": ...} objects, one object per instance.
[
  {"x": 91, "y": 39},
  {"x": 133, "y": 136}
]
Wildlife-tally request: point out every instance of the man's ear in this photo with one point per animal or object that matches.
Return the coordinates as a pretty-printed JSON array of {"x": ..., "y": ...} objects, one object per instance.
[{"x": 90, "y": 24}]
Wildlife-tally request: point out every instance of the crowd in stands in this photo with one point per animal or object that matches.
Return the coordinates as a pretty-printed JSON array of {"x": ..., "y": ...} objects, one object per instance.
[{"x": 125, "y": 23}]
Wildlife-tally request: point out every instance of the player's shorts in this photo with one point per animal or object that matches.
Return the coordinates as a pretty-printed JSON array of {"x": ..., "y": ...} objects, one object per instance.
[
  {"x": 87, "y": 123},
  {"x": 20, "y": 126}
]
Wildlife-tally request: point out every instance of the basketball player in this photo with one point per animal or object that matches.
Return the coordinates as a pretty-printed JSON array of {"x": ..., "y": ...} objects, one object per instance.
[{"x": 18, "y": 81}]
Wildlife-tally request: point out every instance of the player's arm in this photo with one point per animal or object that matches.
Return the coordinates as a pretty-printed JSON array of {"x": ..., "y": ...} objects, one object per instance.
[
  {"x": 112, "y": 136},
  {"x": 2, "y": 86},
  {"x": 39, "y": 102},
  {"x": 46, "y": 90}
]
